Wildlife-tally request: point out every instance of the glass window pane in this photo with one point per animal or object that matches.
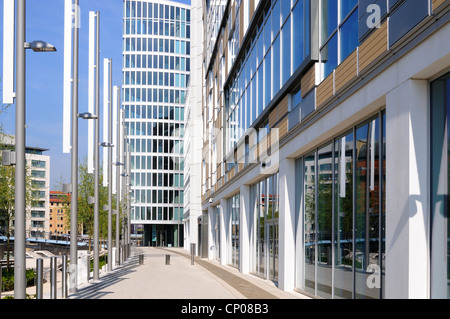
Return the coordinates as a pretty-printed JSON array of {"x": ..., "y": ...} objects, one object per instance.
[
  {"x": 309, "y": 224},
  {"x": 329, "y": 18},
  {"x": 324, "y": 221},
  {"x": 329, "y": 56},
  {"x": 349, "y": 36},
  {"x": 343, "y": 217},
  {"x": 276, "y": 70},
  {"x": 367, "y": 244},
  {"x": 346, "y": 7},
  {"x": 286, "y": 61}
]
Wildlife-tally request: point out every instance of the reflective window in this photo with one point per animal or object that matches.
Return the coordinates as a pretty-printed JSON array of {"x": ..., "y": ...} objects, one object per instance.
[
  {"x": 440, "y": 188},
  {"x": 344, "y": 214}
]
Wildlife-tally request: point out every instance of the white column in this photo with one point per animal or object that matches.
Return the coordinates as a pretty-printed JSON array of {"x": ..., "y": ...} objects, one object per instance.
[
  {"x": 244, "y": 233},
  {"x": 407, "y": 200},
  {"x": 286, "y": 274},
  {"x": 224, "y": 231}
]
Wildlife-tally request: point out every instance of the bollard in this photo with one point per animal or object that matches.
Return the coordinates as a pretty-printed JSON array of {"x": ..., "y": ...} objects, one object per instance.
[
  {"x": 88, "y": 266},
  {"x": 192, "y": 253},
  {"x": 39, "y": 278},
  {"x": 1, "y": 275},
  {"x": 141, "y": 259},
  {"x": 53, "y": 278},
  {"x": 167, "y": 259},
  {"x": 64, "y": 276}
]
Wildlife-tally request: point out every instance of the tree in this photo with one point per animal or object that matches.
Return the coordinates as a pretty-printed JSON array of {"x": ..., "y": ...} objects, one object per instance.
[{"x": 86, "y": 211}]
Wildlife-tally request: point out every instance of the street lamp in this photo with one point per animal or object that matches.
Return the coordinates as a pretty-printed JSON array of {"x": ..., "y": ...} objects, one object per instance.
[{"x": 20, "y": 188}]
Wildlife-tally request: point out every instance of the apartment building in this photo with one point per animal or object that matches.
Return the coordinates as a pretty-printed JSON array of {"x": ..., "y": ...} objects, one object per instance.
[
  {"x": 325, "y": 144},
  {"x": 59, "y": 226},
  {"x": 38, "y": 170},
  {"x": 156, "y": 69}
]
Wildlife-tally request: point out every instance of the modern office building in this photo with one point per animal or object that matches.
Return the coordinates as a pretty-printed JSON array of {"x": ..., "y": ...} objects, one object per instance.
[
  {"x": 156, "y": 68},
  {"x": 38, "y": 172},
  {"x": 325, "y": 145}
]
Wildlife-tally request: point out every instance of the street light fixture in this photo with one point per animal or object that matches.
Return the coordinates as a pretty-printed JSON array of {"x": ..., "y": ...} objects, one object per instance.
[
  {"x": 20, "y": 175},
  {"x": 40, "y": 46},
  {"x": 87, "y": 116}
]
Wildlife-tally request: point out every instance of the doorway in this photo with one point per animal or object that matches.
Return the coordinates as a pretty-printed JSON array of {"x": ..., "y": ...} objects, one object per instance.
[{"x": 272, "y": 232}]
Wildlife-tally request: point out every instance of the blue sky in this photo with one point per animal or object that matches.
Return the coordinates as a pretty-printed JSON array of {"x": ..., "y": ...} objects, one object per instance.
[{"x": 45, "y": 21}]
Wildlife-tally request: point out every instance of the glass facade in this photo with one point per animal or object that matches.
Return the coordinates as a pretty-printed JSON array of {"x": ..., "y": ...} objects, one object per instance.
[
  {"x": 156, "y": 66},
  {"x": 339, "y": 32},
  {"x": 440, "y": 178},
  {"x": 265, "y": 196},
  {"x": 277, "y": 48},
  {"x": 344, "y": 214},
  {"x": 234, "y": 206}
]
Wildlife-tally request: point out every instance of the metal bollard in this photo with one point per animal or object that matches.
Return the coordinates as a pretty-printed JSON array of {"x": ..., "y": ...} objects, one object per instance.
[
  {"x": 39, "y": 278},
  {"x": 53, "y": 278},
  {"x": 192, "y": 253},
  {"x": 1, "y": 275},
  {"x": 88, "y": 266},
  {"x": 141, "y": 259},
  {"x": 64, "y": 276},
  {"x": 167, "y": 259}
]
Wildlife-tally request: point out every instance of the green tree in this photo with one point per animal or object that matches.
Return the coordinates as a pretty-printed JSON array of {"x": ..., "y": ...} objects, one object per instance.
[{"x": 85, "y": 218}]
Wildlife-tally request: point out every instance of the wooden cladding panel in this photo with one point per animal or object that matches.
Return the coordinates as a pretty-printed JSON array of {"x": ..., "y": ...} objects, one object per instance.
[
  {"x": 283, "y": 127},
  {"x": 373, "y": 47},
  {"x": 308, "y": 81},
  {"x": 283, "y": 107},
  {"x": 324, "y": 90},
  {"x": 437, "y": 3},
  {"x": 346, "y": 71},
  {"x": 273, "y": 117}
]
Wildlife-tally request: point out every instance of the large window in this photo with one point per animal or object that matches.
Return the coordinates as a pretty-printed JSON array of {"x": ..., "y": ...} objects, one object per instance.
[
  {"x": 440, "y": 183},
  {"x": 339, "y": 32},
  {"x": 234, "y": 206},
  {"x": 343, "y": 187}
]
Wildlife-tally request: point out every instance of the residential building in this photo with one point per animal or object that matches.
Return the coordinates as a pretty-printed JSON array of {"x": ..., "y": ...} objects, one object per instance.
[
  {"x": 38, "y": 169},
  {"x": 59, "y": 226},
  {"x": 325, "y": 144},
  {"x": 156, "y": 69}
]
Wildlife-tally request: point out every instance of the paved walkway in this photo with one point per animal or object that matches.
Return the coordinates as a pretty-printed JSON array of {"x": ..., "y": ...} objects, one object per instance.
[{"x": 179, "y": 280}]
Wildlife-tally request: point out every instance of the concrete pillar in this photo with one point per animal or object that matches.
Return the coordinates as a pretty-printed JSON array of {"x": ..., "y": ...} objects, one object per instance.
[
  {"x": 286, "y": 274},
  {"x": 244, "y": 229},
  {"x": 407, "y": 200},
  {"x": 211, "y": 242}
]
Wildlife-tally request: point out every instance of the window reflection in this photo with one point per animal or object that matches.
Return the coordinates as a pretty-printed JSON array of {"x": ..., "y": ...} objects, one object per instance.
[
  {"x": 344, "y": 215},
  {"x": 440, "y": 163}
]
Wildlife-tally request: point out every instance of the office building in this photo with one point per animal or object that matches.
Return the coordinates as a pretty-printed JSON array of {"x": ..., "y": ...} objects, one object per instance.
[
  {"x": 325, "y": 144},
  {"x": 38, "y": 181},
  {"x": 156, "y": 67}
]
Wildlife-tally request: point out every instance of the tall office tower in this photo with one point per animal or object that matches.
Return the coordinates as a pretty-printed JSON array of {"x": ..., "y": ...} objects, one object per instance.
[
  {"x": 325, "y": 145},
  {"x": 156, "y": 67}
]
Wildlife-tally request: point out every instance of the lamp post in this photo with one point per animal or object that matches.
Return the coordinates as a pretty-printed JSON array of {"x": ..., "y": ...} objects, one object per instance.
[{"x": 20, "y": 174}]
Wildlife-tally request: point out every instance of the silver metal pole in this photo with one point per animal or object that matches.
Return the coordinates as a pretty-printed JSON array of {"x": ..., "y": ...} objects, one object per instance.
[
  {"x": 118, "y": 182},
  {"x": 53, "y": 277},
  {"x": 64, "y": 277},
  {"x": 39, "y": 278},
  {"x": 96, "y": 152},
  {"x": 20, "y": 206},
  {"x": 110, "y": 260},
  {"x": 74, "y": 166}
]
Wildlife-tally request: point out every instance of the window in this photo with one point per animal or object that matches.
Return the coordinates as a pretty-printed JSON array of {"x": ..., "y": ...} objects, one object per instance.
[
  {"x": 339, "y": 32},
  {"x": 440, "y": 188},
  {"x": 353, "y": 167}
]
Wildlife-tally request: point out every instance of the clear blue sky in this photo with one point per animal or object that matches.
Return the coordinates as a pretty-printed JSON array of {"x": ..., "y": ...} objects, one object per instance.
[{"x": 45, "y": 21}]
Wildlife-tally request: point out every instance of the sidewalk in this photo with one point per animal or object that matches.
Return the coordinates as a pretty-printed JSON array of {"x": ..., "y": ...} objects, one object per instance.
[{"x": 179, "y": 280}]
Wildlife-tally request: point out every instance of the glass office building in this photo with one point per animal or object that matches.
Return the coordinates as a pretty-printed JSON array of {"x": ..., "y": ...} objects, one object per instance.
[
  {"x": 324, "y": 144},
  {"x": 156, "y": 68}
]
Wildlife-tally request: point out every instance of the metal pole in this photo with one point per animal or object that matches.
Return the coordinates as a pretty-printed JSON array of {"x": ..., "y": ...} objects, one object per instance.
[
  {"x": 96, "y": 152},
  {"x": 39, "y": 278},
  {"x": 110, "y": 260},
  {"x": 19, "y": 223},
  {"x": 64, "y": 277},
  {"x": 88, "y": 266},
  {"x": 1, "y": 276},
  {"x": 74, "y": 166},
  {"x": 118, "y": 181},
  {"x": 53, "y": 278}
]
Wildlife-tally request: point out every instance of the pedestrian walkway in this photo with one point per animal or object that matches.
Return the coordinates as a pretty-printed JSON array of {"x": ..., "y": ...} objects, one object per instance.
[{"x": 178, "y": 280}]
